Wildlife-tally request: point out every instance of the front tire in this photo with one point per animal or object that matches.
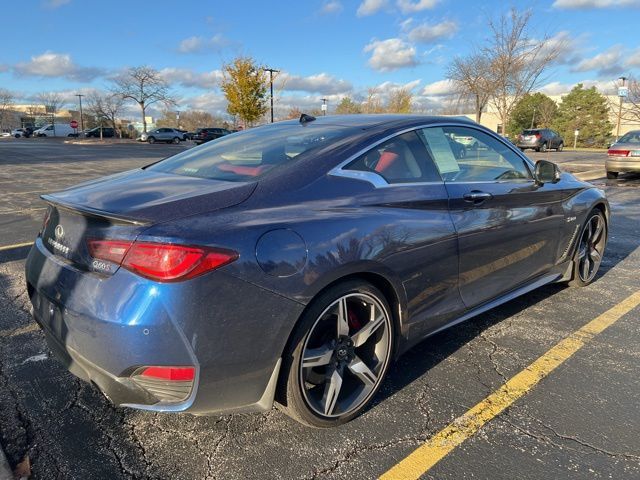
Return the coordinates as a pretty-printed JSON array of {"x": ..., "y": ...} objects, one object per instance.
[
  {"x": 151, "y": 140},
  {"x": 338, "y": 356},
  {"x": 590, "y": 250}
]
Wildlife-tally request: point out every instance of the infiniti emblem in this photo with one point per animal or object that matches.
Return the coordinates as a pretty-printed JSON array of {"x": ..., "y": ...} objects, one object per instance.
[{"x": 59, "y": 231}]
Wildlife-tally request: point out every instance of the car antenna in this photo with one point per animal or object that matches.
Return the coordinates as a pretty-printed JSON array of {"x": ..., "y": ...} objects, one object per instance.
[{"x": 304, "y": 118}]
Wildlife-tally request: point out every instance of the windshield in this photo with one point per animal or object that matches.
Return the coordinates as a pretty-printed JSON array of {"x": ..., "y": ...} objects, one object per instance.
[
  {"x": 631, "y": 137},
  {"x": 250, "y": 154}
]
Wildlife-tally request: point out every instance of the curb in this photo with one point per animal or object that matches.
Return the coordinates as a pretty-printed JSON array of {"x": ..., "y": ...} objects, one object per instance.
[{"x": 5, "y": 470}]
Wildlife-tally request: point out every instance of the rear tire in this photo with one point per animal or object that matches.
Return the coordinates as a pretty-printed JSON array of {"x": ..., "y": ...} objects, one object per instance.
[
  {"x": 176, "y": 140},
  {"x": 612, "y": 175},
  {"x": 590, "y": 249},
  {"x": 346, "y": 339},
  {"x": 560, "y": 147},
  {"x": 543, "y": 147}
]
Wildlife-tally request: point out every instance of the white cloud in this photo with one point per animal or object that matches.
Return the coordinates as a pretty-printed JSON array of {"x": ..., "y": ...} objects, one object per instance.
[
  {"x": 197, "y": 44},
  {"x": 391, "y": 54},
  {"x": 189, "y": 78},
  {"x": 321, "y": 83},
  {"x": 632, "y": 61},
  {"x": 408, "y": 6},
  {"x": 214, "y": 103},
  {"x": 580, "y": 4},
  {"x": 51, "y": 64},
  {"x": 439, "y": 88},
  {"x": 567, "y": 47},
  {"x": 369, "y": 7},
  {"x": 331, "y": 6},
  {"x": 607, "y": 87},
  {"x": 606, "y": 63},
  {"x": 427, "y": 33}
]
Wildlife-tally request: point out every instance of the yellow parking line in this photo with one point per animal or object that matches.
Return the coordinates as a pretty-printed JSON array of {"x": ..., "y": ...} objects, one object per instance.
[
  {"x": 465, "y": 426},
  {"x": 16, "y": 245}
]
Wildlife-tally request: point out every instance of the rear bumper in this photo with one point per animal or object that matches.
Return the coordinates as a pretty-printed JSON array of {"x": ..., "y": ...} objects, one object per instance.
[
  {"x": 623, "y": 164},
  {"x": 102, "y": 329}
]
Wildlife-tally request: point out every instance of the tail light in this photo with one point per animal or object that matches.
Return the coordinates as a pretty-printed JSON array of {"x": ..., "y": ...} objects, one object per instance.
[
  {"x": 167, "y": 384},
  {"x": 538, "y": 135},
  {"x": 618, "y": 153},
  {"x": 161, "y": 261}
]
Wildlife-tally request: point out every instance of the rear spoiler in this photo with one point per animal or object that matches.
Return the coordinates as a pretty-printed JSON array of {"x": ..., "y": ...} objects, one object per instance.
[{"x": 94, "y": 212}]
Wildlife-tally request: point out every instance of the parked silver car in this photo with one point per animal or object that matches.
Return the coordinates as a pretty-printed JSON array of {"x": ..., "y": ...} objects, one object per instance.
[
  {"x": 169, "y": 135},
  {"x": 624, "y": 155}
]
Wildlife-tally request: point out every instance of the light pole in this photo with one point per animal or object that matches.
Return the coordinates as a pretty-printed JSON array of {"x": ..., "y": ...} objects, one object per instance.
[
  {"x": 271, "y": 72},
  {"x": 324, "y": 106},
  {"x": 533, "y": 117},
  {"x": 79, "y": 95},
  {"x": 621, "y": 94},
  {"x": 178, "y": 118}
]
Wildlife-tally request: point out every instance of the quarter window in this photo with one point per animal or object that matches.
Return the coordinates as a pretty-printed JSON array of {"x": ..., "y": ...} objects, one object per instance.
[
  {"x": 464, "y": 154},
  {"x": 403, "y": 159}
]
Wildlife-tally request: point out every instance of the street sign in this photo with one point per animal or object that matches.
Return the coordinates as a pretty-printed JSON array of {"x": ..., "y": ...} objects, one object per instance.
[
  {"x": 73, "y": 124},
  {"x": 576, "y": 132},
  {"x": 623, "y": 91}
]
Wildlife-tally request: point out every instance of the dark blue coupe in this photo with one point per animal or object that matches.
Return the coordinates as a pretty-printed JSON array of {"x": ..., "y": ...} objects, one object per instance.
[{"x": 293, "y": 262}]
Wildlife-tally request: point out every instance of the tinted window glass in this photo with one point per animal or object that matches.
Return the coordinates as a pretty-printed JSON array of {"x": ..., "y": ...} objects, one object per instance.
[
  {"x": 631, "y": 137},
  {"x": 402, "y": 159},
  {"x": 251, "y": 153},
  {"x": 483, "y": 159}
]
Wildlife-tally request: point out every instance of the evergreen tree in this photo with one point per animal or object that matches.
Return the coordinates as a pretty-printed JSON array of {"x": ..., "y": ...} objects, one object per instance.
[{"x": 588, "y": 111}]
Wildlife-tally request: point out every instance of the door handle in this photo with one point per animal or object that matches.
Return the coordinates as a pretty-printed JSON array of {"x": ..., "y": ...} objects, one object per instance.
[{"x": 476, "y": 196}]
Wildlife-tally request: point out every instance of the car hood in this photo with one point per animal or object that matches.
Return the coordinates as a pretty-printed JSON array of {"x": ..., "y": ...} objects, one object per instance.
[{"x": 152, "y": 197}]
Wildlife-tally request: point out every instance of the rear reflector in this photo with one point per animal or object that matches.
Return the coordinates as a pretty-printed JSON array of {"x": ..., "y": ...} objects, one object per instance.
[
  {"x": 171, "y": 374},
  {"x": 618, "y": 153},
  {"x": 160, "y": 261}
]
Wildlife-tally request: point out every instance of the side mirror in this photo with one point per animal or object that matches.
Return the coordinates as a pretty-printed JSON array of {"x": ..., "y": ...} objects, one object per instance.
[{"x": 546, "y": 172}]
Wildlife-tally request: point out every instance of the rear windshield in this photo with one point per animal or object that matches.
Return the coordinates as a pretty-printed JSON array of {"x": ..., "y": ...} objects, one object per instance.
[
  {"x": 530, "y": 132},
  {"x": 631, "y": 137},
  {"x": 250, "y": 154}
]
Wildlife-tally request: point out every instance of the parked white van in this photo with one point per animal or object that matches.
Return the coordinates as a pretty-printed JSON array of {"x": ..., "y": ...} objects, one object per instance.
[{"x": 61, "y": 130}]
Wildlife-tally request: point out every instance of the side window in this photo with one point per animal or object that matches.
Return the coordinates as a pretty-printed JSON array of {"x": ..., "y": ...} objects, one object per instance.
[
  {"x": 403, "y": 159},
  {"x": 468, "y": 155}
]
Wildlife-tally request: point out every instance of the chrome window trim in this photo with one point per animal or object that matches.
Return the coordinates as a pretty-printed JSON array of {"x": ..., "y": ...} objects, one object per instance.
[{"x": 379, "y": 182}]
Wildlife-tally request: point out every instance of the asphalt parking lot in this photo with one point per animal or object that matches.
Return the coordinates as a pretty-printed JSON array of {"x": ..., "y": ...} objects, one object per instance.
[{"x": 582, "y": 421}]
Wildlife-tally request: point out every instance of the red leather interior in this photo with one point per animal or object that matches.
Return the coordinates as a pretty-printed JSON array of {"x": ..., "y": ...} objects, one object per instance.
[
  {"x": 386, "y": 160},
  {"x": 243, "y": 170}
]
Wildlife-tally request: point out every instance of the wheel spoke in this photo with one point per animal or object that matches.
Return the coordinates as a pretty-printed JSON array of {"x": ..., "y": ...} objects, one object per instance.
[
  {"x": 317, "y": 357},
  {"x": 582, "y": 252},
  {"x": 595, "y": 255},
  {"x": 590, "y": 230},
  {"x": 585, "y": 268},
  {"x": 331, "y": 391},
  {"x": 361, "y": 336},
  {"x": 363, "y": 372},
  {"x": 598, "y": 232},
  {"x": 343, "y": 318}
]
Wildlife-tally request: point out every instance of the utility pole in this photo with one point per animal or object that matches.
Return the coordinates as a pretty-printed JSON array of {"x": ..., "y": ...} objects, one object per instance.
[
  {"x": 324, "y": 106},
  {"x": 621, "y": 95},
  {"x": 79, "y": 95},
  {"x": 271, "y": 72}
]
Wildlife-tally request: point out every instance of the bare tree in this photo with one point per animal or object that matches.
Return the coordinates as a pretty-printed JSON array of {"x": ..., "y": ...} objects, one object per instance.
[
  {"x": 631, "y": 105},
  {"x": 516, "y": 61},
  {"x": 52, "y": 102},
  {"x": 106, "y": 107},
  {"x": 373, "y": 104},
  {"x": 400, "y": 101},
  {"x": 472, "y": 81},
  {"x": 6, "y": 102},
  {"x": 145, "y": 86}
]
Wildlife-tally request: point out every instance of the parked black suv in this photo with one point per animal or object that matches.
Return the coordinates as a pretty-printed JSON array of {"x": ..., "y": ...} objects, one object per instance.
[
  {"x": 203, "y": 135},
  {"x": 95, "y": 132},
  {"x": 540, "y": 139}
]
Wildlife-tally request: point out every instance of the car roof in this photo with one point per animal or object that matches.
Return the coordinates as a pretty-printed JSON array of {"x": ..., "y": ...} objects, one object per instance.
[{"x": 376, "y": 120}]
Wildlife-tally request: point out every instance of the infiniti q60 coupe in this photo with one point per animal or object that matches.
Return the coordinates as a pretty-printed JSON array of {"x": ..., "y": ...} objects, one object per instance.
[{"x": 294, "y": 262}]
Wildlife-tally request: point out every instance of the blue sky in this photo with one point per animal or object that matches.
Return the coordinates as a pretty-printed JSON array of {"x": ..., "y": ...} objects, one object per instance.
[{"x": 325, "y": 48}]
